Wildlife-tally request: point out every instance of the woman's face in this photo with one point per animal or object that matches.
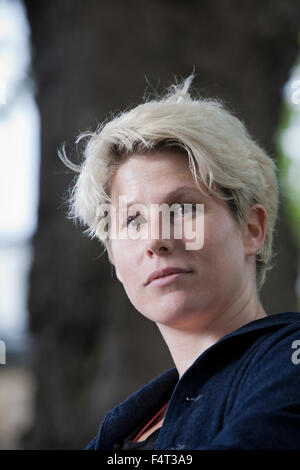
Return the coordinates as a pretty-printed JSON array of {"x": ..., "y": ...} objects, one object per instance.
[{"x": 219, "y": 271}]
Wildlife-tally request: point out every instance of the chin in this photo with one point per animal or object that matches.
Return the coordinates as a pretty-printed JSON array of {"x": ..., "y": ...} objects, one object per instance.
[
  {"x": 168, "y": 307},
  {"x": 167, "y": 315}
]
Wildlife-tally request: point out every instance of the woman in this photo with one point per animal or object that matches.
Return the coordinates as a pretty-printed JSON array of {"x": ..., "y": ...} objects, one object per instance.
[{"x": 235, "y": 384}]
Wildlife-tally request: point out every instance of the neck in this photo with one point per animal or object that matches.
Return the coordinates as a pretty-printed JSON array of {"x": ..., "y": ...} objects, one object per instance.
[{"x": 188, "y": 339}]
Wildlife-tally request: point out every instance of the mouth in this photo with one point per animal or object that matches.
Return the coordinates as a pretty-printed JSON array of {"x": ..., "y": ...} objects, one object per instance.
[{"x": 168, "y": 279}]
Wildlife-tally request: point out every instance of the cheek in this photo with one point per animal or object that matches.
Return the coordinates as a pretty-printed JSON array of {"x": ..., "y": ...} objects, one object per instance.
[
  {"x": 222, "y": 243},
  {"x": 124, "y": 264},
  {"x": 118, "y": 259}
]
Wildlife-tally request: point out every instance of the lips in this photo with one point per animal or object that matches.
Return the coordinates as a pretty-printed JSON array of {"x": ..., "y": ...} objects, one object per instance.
[{"x": 165, "y": 272}]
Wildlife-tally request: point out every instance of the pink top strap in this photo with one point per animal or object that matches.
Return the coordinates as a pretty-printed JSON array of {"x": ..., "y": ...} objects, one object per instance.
[{"x": 151, "y": 421}]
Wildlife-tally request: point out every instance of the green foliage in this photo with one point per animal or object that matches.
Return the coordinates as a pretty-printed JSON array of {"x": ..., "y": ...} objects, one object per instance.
[{"x": 287, "y": 166}]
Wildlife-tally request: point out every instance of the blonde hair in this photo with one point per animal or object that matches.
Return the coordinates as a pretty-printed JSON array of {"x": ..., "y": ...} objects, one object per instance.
[{"x": 219, "y": 148}]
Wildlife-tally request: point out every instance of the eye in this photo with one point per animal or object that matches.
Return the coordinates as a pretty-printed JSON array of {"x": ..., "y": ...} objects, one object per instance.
[
  {"x": 180, "y": 210},
  {"x": 134, "y": 220},
  {"x": 185, "y": 208}
]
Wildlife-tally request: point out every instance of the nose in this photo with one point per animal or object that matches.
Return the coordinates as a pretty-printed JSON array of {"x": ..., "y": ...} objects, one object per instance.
[
  {"x": 159, "y": 247},
  {"x": 158, "y": 242}
]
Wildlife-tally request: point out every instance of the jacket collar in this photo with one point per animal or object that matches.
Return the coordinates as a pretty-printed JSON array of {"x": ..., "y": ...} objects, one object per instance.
[
  {"x": 265, "y": 323},
  {"x": 158, "y": 391}
]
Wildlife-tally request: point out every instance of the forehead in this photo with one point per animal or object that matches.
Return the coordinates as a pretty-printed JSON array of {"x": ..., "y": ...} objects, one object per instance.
[{"x": 144, "y": 174}]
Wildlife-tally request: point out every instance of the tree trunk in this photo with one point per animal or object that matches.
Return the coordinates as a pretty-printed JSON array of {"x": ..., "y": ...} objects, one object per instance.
[{"x": 91, "y": 348}]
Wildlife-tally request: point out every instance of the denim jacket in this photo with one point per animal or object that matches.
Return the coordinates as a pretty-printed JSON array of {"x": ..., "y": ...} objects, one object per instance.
[{"x": 243, "y": 392}]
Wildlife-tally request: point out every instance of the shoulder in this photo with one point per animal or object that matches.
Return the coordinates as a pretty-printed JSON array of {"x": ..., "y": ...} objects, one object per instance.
[
  {"x": 122, "y": 419},
  {"x": 281, "y": 342},
  {"x": 272, "y": 378},
  {"x": 269, "y": 335}
]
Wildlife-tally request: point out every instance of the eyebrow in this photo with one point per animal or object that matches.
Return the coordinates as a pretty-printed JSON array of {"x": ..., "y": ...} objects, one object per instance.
[{"x": 172, "y": 194}]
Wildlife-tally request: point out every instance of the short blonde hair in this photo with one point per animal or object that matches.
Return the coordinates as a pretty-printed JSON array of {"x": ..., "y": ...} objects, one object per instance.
[{"x": 219, "y": 148}]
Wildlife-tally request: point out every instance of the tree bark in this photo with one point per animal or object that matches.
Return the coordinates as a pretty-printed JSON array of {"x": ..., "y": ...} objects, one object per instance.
[{"x": 91, "y": 348}]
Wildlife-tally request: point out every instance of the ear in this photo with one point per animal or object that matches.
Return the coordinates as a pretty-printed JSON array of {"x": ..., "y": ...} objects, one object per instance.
[{"x": 255, "y": 230}]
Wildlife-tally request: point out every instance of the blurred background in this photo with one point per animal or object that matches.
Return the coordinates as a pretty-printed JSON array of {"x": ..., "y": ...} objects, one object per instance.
[{"x": 72, "y": 346}]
